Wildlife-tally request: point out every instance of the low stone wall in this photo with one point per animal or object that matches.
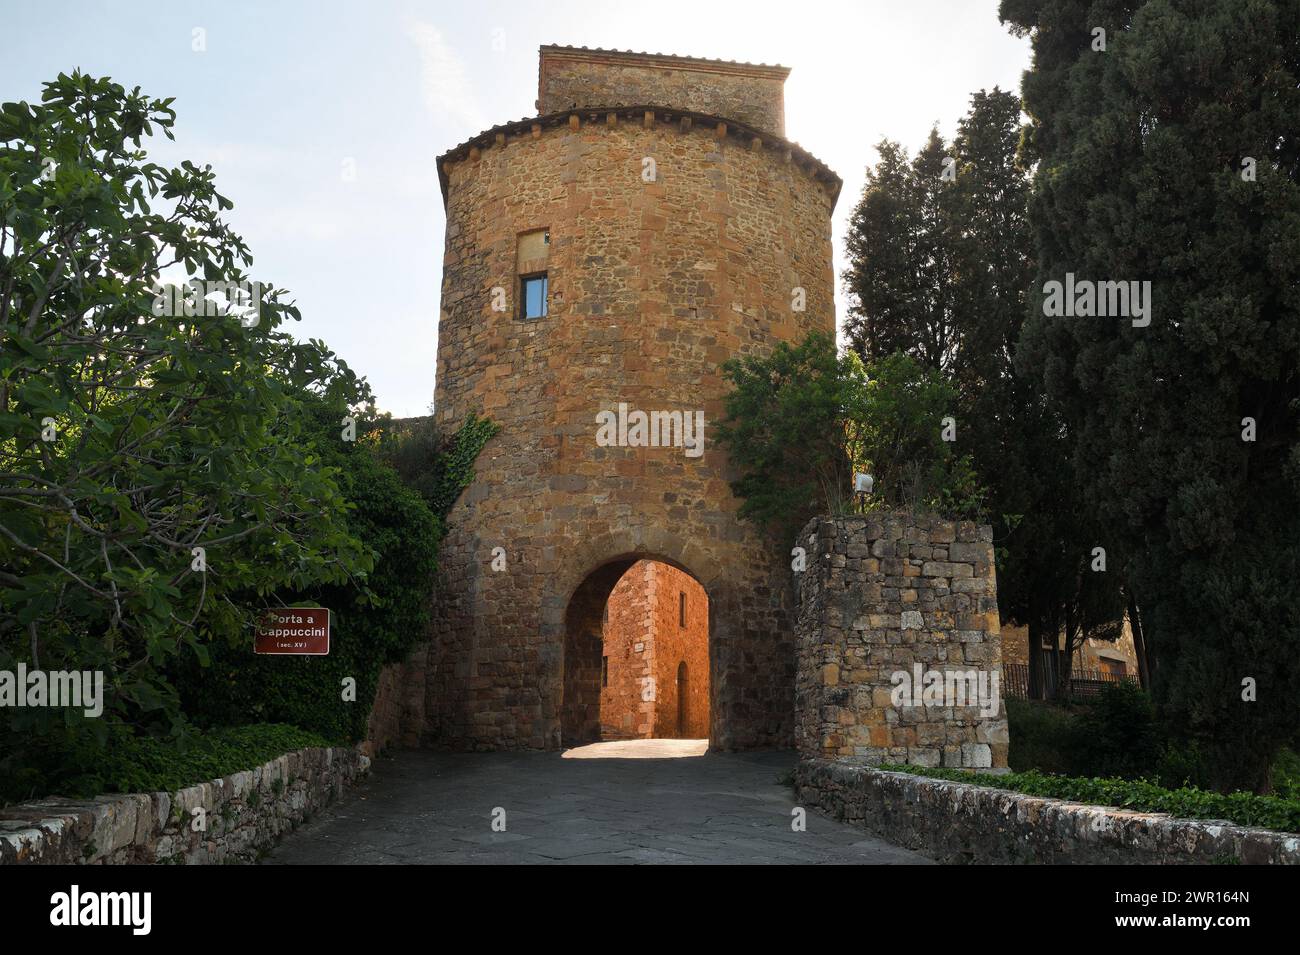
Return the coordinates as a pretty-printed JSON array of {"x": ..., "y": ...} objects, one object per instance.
[
  {"x": 243, "y": 814},
  {"x": 962, "y": 823}
]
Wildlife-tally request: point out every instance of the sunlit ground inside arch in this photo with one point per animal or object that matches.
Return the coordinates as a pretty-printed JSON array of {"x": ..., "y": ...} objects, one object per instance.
[{"x": 640, "y": 749}]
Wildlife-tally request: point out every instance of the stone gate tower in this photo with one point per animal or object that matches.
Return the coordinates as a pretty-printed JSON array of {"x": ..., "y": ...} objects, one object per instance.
[{"x": 651, "y": 222}]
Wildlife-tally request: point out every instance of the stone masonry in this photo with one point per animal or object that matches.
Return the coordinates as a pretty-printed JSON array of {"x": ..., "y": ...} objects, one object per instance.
[
  {"x": 656, "y": 276},
  {"x": 959, "y": 823},
  {"x": 892, "y": 602},
  {"x": 746, "y": 92},
  {"x": 656, "y": 653},
  {"x": 242, "y": 815}
]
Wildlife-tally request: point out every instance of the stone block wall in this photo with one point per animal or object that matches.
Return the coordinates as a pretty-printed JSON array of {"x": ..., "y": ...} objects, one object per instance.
[
  {"x": 890, "y": 603},
  {"x": 629, "y": 648},
  {"x": 681, "y": 655},
  {"x": 244, "y": 813},
  {"x": 962, "y": 823},
  {"x": 750, "y": 93},
  {"x": 390, "y": 712}
]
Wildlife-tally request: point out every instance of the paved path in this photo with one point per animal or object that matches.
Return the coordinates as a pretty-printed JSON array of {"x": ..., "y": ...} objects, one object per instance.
[{"x": 643, "y": 801}]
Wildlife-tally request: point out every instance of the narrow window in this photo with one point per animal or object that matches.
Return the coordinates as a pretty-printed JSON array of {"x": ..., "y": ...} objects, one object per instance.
[
  {"x": 683, "y": 708},
  {"x": 532, "y": 261},
  {"x": 604, "y": 671},
  {"x": 532, "y": 295},
  {"x": 681, "y": 610}
]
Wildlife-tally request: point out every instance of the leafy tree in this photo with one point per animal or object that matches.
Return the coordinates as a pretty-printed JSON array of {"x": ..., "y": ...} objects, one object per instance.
[
  {"x": 1171, "y": 156},
  {"x": 786, "y": 430},
  {"x": 800, "y": 421},
  {"x": 130, "y": 439},
  {"x": 373, "y": 622},
  {"x": 896, "y": 429}
]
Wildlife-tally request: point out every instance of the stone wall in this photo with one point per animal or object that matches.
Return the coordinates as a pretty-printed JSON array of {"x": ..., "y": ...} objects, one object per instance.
[
  {"x": 629, "y": 647},
  {"x": 653, "y": 284},
  {"x": 749, "y": 93},
  {"x": 681, "y": 650},
  {"x": 890, "y": 603},
  {"x": 245, "y": 813},
  {"x": 962, "y": 823}
]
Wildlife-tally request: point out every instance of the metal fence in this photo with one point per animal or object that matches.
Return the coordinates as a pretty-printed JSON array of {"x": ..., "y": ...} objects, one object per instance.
[{"x": 1083, "y": 683}]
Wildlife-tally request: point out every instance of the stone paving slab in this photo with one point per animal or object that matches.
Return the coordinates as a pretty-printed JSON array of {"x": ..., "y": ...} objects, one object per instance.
[{"x": 644, "y": 802}]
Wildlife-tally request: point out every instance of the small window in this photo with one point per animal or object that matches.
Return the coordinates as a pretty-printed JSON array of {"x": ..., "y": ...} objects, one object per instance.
[
  {"x": 532, "y": 264},
  {"x": 532, "y": 295},
  {"x": 681, "y": 610},
  {"x": 604, "y": 671},
  {"x": 1113, "y": 667}
]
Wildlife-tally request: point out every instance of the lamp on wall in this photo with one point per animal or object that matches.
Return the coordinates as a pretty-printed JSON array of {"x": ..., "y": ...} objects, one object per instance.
[{"x": 862, "y": 485}]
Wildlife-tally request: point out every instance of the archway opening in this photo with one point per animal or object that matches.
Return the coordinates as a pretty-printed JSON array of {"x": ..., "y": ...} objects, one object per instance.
[{"x": 636, "y": 655}]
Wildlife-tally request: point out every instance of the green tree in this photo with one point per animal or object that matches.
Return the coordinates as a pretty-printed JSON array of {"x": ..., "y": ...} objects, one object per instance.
[
  {"x": 900, "y": 273},
  {"x": 1171, "y": 156},
  {"x": 801, "y": 421},
  {"x": 939, "y": 268},
  {"x": 159, "y": 482},
  {"x": 373, "y": 622}
]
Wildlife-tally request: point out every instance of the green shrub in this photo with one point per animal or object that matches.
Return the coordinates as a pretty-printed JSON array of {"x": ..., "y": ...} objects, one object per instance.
[
  {"x": 1042, "y": 736},
  {"x": 1117, "y": 735},
  {"x": 1183, "y": 763},
  {"x": 1286, "y": 774},
  {"x": 375, "y": 621},
  {"x": 1247, "y": 809},
  {"x": 1114, "y": 734},
  {"x": 151, "y": 764},
  {"x": 803, "y": 419}
]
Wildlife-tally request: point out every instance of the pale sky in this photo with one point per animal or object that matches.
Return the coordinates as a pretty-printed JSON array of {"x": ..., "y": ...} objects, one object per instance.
[{"x": 289, "y": 98}]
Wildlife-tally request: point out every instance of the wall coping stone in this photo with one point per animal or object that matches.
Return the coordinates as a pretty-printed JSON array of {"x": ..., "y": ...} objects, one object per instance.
[
  {"x": 968, "y": 823},
  {"x": 156, "y": 827}
]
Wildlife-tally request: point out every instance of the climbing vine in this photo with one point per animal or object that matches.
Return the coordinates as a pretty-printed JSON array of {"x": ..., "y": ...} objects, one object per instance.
[{"x": 456, "y": 463}]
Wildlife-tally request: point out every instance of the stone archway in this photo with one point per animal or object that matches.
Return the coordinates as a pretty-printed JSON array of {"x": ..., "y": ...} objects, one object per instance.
[{"x": 632, "y": 628}]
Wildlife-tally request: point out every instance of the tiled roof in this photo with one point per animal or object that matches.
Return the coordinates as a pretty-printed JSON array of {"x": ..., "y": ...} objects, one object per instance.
[
  {"x": 559, "y": 48},
  {"x": 798, "y": 154}
]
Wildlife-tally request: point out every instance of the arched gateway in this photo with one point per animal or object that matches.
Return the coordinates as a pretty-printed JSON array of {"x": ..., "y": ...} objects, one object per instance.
[{"x": 602, "y": 260}]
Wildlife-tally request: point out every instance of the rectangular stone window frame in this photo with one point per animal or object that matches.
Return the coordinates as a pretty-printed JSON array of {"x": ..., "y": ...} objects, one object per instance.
[
  {"x": 532, "y": 266},
  {"x": 533, "y": 286}
]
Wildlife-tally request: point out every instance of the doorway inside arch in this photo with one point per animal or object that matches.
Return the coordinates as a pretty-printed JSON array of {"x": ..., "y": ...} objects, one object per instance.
[{"x": 636, "y": 661}]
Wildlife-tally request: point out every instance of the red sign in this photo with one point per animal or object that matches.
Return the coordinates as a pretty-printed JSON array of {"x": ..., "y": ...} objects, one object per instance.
[{"x": 297, "y": 630}]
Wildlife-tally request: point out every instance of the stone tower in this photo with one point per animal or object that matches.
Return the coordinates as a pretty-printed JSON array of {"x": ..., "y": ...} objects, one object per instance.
[{"x": 607, "y": 256}]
